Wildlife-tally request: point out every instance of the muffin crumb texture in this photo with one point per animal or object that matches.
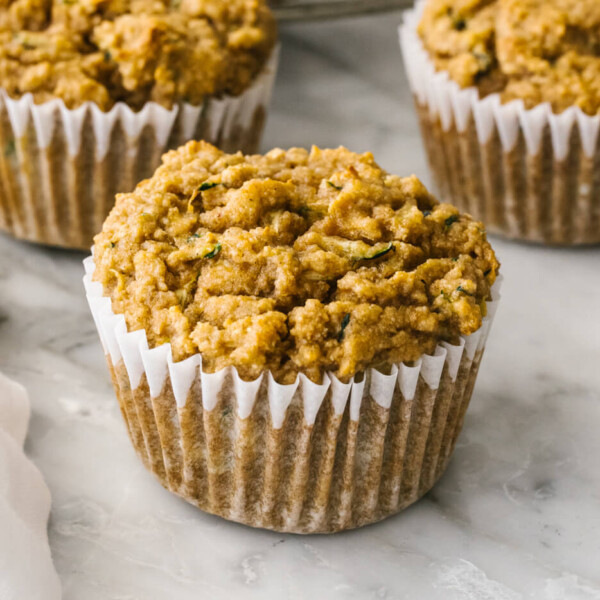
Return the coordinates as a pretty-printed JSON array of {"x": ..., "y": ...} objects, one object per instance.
[
  {"x": 134, "y": 51},
  {"x": 533, "y": 50},
  {"x": 292, "y": 262}
]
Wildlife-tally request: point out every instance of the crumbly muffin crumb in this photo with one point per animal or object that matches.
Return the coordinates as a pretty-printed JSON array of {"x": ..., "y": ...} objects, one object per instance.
[
  {"x": 533, "y": 50},
  {"x": 134, "y": 51},
  {"x": 292, "y": 262}
]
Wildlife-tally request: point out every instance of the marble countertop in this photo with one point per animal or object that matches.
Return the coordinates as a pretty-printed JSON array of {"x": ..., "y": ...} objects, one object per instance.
[{"x": 516, "y": 516}]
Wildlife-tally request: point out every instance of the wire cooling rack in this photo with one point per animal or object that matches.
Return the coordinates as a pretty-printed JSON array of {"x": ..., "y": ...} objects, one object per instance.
[{"x": 304, "y": 10}]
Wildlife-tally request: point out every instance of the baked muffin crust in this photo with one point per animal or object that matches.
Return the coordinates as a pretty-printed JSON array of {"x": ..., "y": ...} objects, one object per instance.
[
  {"x": 292, "y": 262},
  {"x": 133, "y": 51},
  {"x": 534, "y": 50}
]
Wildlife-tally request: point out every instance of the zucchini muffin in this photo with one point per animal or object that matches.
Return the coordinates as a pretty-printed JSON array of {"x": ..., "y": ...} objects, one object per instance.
[
  {"x": 321, "y": 324},
  {"x": 94, "y": 91},
  {"x": 508, "y": 93}
]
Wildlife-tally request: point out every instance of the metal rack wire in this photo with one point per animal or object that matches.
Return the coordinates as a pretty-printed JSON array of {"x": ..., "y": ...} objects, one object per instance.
[{"x": 305, "y": 10}]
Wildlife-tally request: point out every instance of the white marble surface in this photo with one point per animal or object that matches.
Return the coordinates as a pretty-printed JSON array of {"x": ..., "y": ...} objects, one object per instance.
[{"x": 517, "y": 515}]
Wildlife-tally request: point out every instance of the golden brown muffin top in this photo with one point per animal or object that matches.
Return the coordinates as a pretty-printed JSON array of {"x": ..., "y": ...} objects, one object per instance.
[
  {"x": 534, "y": 50},
  {"x": 135, "y": 51},
  {"x": 292, "y": 262}
]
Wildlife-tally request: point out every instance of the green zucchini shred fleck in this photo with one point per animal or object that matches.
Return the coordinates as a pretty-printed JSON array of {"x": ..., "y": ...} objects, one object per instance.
[
  {"x": 451, "y": 220},
  {"x": 214, "y": 251},
  {"x": 345, "y": 322},
  {"x": 379, "y": 253},
  {"x": 10, "y": 148},
  {"x": 207, "y": 185}
]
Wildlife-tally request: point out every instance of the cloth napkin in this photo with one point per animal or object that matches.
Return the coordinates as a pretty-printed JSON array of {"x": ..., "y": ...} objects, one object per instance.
[{"x": 26, "y": 569}]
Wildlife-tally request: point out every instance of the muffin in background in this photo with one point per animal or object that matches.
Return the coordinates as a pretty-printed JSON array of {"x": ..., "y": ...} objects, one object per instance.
[
  {"x": 293, "y": 338},
  {"x": 93, "y": 93},
  {"x": 508, "y": 98}
]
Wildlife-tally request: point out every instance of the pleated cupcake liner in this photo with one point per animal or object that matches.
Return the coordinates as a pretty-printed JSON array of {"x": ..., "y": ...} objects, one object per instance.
[
  {"x": 60, "y": 169},
  {"x": 528, "y": 174},
  {"x": 300, "y": 458}
]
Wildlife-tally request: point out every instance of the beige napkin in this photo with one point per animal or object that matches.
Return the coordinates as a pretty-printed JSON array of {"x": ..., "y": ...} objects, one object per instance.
[{"x": 26, "y": 569}]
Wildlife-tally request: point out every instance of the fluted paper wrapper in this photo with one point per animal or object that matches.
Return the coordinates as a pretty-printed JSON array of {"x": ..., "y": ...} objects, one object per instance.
[
  {"x": 531, "y": 175},
  {"x": 60, "y": 169},
  {"x": 301, "y": 458}
]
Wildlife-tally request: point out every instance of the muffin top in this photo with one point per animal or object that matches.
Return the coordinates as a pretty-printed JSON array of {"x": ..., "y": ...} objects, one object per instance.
[
  {"x": 534, "y": 50},
  {"x": 135, "y": 51},
  {"x": 292, "y": 262}
]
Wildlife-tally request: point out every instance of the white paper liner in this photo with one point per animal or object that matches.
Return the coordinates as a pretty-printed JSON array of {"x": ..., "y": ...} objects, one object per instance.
[
  {"x": 224, "y": 112},
  {"x": 60, "y": 168},
  {"x": 133, "y": 349},
  {"x": 456, "y": 105}
]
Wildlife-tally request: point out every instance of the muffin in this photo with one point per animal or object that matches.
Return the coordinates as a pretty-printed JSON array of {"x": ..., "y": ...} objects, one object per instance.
[
  {"x": 508, "y": 97},
  {"x": 293, "y": 338},
  {"x": 94, "y": 92}
]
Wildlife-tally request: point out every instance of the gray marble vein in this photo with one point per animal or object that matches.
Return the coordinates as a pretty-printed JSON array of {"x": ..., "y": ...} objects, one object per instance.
[{"x": 517, "y": 515}]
